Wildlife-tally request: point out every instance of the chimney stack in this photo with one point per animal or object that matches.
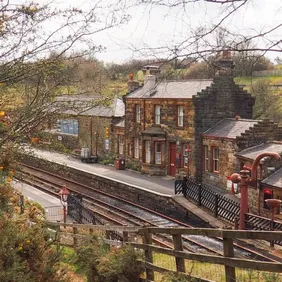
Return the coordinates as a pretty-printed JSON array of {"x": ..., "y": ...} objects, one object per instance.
[{"x": 224, "y": 64}]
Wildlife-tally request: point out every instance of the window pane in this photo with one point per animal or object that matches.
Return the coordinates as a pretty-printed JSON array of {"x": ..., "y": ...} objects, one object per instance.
[
  {"x": 67, "y": 126},
  {"x": 120, "y": 143},
  {"x": 158, "y": 153},
  {"x": 157, "y": 114},
  {"x": 180, "y": 116},
  {"x": 215, "y": 159},
  {"x": 138, "y": 113},
  {"x": 136, "y": 148},
  {"x": 147, "y": 152}
]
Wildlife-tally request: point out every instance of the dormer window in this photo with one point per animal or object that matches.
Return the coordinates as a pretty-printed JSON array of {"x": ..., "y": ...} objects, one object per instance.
[
  {"x": 137, "y": 113},
  {"x": 157, "y": 114}
]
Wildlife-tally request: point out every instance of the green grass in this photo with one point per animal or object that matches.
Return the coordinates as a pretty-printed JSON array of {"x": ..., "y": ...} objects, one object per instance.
[
  {"x": 213, "y": 272},
  {"x": 69, "y": 258},
  {"x": 248, "y": 80}
]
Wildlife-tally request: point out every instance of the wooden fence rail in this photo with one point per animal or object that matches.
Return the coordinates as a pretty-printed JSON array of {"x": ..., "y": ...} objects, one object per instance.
[{"x": 227, "y": 259}]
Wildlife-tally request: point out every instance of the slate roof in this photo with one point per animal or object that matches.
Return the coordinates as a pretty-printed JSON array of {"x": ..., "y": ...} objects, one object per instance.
[
  {"x": 87, "y": 106},
  {"x": 274, "y": 179},
  {"x": 229, "y": 128},
  {"x": 171, "y": 89},
  {"x": 251, "y": 153}
]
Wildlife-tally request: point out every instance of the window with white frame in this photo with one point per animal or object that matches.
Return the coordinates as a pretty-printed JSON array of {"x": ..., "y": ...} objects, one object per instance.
[
  {"x": 120, "y": 144},
  {"x": 206, "y": 158},
  {"x": 137, "y": 113},
  {"x": 158, "y": 152},
  {"x": 136, "y": 148},
  {"x": 180, "y": 116},
  {"x": 157, "y": 114},
  {"x": 147, "y": 152},
  {"x": 215, "y": 159}
]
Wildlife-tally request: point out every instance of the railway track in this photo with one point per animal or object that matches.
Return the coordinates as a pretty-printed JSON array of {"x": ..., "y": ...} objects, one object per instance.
[{"x": 114, "y": 210}]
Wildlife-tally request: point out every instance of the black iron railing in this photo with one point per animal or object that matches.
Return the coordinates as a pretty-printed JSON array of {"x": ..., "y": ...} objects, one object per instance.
[{"x": 203, "y": 196}]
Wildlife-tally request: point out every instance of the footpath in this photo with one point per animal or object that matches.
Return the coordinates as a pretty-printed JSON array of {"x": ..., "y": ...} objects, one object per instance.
[{"x": 161, "y": 185}]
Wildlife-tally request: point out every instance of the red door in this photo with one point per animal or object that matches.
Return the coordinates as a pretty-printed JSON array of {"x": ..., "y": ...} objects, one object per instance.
[{"x": 172, "y": 157}]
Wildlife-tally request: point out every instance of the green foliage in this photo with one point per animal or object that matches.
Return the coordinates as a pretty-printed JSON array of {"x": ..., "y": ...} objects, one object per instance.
[
  {"x": 133, "y": 166},
  {"x": 27, "y": 255},
  {"x": 268, "y": 102},
  {"x": 107, "y": 159},
  {"x": 109, "y": 265}
]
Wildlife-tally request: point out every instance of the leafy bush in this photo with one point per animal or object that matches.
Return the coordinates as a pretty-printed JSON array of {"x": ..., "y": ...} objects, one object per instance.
[
  {"x": 27, "y": 255},
  {"x": 109, "y": 265}
]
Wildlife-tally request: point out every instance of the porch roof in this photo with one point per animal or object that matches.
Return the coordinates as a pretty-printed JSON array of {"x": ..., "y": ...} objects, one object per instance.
[
  {"x": 229, "y": 128},
  {"x": 253, "y": 152},
  {"x": 274, "y": 180},
  {"x": 154, "y": 130}
]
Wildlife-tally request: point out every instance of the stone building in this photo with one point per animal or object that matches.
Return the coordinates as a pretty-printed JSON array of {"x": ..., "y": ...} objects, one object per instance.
[
  {"x": 224, "y": 144},
  {"x": 89, "y": 121},
  {"x": 159, "y": 125},
  {"x": 269, "y": 174},
  {"x": 164, "y": 120}
]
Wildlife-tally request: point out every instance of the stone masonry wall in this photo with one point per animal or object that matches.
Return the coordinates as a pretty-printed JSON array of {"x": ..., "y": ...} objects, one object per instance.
[
  {"x": 159, "y": 203},
  {"x": 169, "y": 108},
  {"x": 87, "y": 137},
  {"x": 227, "y": 162},
  {"x": 262, "y": 132},
  {"x": 223, "y": 99}
]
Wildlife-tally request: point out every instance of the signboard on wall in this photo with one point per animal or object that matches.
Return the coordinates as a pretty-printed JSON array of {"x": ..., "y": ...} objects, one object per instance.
[{"x": 107, "y": 144}]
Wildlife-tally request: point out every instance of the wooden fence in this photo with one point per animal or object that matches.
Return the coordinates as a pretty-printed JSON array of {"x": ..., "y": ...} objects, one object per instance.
[{"x": 179, "y": 256}]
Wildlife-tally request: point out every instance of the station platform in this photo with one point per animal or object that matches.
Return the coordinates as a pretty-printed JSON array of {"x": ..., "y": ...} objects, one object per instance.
[
  {"x": 52, "y": 205},
  {"x": 162, "y": 185}
]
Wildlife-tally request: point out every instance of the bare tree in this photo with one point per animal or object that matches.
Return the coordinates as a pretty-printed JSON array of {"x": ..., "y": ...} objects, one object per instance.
[
  {"x": 29, "y": 76},
  {"x": 213, "y": 36}
]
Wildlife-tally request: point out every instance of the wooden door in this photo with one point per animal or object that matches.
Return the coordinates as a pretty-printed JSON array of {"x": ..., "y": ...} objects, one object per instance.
[{"x": 172, "y": 157}]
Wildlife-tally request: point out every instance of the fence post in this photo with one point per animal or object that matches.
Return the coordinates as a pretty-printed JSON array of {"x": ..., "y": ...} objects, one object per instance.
[
  {"x": 147, "y": 239},
  {"x": 228, "y": 251},
  {"x": 184, "y": 186},
  {"x": 177, "y": 243},
  {"x": 75, "y": 231},
  {"x": 58, "y": 229},
  {"x": 199, "y": 194},
  {"x": 125, "y": 237},
  {"x": 216, "y": 205}
]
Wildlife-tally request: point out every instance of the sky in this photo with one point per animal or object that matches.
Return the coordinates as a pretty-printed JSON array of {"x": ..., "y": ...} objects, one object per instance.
[{"x": 160, "y": 28}]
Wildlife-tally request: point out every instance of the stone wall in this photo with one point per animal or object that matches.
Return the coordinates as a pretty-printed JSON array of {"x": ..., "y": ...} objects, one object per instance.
[
  {"x": 159, "y": 203},
  {"x": 262, "y": 132},
  {"x": 223, "y": 99},
  {"x": 175, "y": 134},
  {"x": 227, "y": 162},
  {"x": 88, "y": 127}
]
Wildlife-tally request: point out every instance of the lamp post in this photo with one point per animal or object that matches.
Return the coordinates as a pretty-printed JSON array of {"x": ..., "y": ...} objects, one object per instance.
[
  {"x": 244, "y": 179},
  {"x": 64, "y": 193},
  {"x": 272, "y": 204}
]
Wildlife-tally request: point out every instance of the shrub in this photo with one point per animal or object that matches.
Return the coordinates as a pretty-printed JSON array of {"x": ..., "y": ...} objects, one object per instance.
[{"x": 109, "y": 265}]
